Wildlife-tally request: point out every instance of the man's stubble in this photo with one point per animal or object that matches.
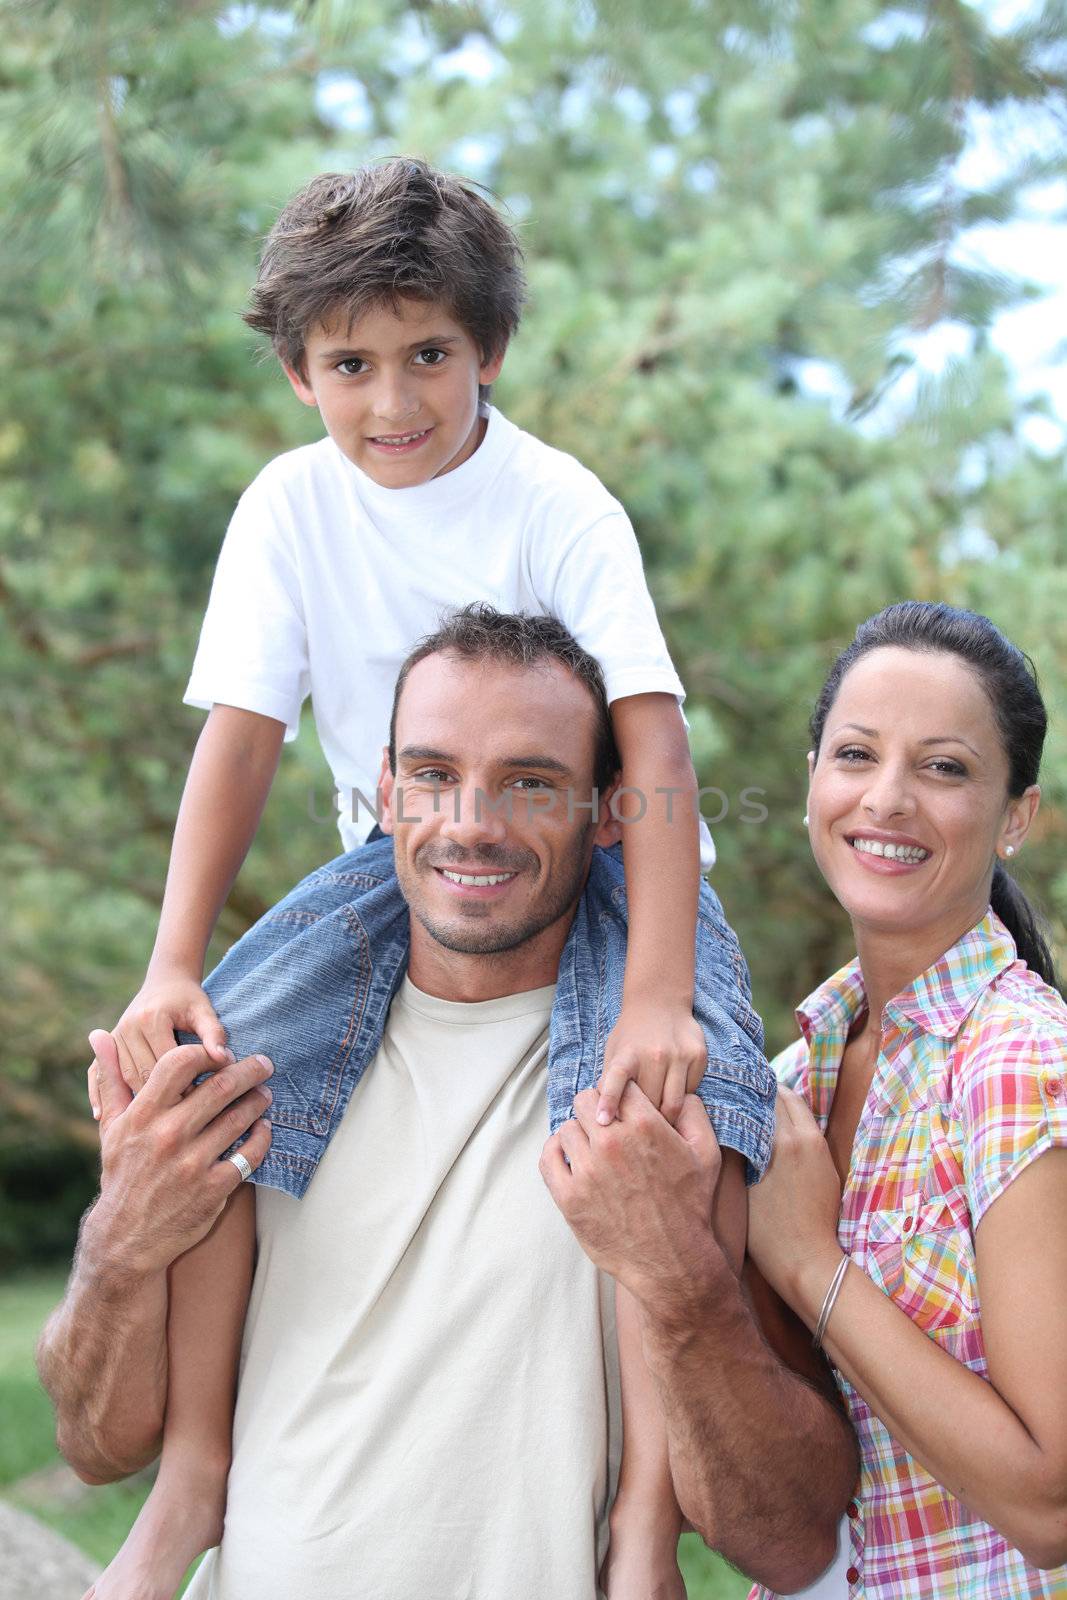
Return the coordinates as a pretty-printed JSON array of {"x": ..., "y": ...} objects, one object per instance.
[{"x": 482, "y": 937}]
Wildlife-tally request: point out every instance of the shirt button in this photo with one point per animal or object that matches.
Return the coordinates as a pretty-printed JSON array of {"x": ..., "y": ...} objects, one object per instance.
[
  {"x": 1054, "y": 1087},
  {"x": 853, "y": 1509},
  {"x": 853, "y": 1575},
  {"x": 909, "y": 1223}
]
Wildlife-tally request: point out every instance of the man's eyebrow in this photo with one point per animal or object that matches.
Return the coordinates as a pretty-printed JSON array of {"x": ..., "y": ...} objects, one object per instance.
[
  {"x": 347, "y": 353},
  {"x": 543, "y": 763},
  {"x": 423, "y": 752}
]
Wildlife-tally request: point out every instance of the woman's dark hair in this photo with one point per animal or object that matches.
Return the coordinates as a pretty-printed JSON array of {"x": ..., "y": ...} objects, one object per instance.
[{"x": 1010, "y": 681}]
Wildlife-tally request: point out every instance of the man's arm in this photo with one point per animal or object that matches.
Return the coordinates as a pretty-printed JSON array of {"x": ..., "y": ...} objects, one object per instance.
[
  {"x": 103, "y": 1353},
  {"x": 103, "y": 1359},
  {"x": 763, "y": 1461}
]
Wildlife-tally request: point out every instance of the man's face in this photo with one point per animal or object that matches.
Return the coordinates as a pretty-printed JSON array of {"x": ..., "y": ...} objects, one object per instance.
[
  {"x": 489, "y": 807},
  {"x": 397, "y": 390}
]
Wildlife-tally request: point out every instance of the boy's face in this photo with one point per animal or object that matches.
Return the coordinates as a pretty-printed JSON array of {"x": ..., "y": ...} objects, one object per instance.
[{"x": 397, "y": 390}]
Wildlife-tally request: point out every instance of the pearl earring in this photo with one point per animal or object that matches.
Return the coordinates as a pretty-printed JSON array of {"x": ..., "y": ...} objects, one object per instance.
[
  {"x": 805, "y": 819},
  {"x": 1009, "y": 850}
]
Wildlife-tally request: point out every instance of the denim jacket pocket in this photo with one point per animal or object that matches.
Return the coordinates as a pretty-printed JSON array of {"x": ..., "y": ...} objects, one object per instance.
[{"x": 922, "y": 1257}]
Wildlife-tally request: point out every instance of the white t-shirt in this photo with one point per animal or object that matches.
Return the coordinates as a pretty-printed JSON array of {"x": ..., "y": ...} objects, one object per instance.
[
  {"x": 326, "y": 581},
  {"x": 428, "y": 1405}
]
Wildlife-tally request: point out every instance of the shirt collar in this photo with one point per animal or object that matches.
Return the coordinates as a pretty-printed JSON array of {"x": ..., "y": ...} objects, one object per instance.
[
  {"x": 825, "y": 1019},
  {"x": 937, "y": 1003},
  {"x": 833, "y": 1007},
  {"x": 943, "y": 996}
]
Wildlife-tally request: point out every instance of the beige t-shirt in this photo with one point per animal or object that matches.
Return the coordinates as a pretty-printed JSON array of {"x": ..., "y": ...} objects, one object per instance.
[{"x": 428, "y": 1402}]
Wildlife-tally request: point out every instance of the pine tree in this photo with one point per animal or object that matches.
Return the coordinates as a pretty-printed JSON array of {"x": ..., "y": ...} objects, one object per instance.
[{"x": 718, "y": 210}]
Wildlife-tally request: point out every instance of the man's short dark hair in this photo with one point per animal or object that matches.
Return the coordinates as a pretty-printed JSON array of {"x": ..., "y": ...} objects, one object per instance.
[
  {"x": 352, "y": 241},
  {"x": 478, "y": 632}
]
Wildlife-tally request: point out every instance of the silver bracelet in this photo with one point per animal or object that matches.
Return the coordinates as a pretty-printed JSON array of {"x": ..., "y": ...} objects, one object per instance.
[{"x": 828, "y": 1304}]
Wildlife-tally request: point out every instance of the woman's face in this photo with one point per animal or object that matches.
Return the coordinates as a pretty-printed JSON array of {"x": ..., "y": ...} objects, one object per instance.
[{"x": 908, "y": 803}]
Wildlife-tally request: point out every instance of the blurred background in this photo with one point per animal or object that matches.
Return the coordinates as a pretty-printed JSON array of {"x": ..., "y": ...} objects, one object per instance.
[{"x": 798, "y": 280}]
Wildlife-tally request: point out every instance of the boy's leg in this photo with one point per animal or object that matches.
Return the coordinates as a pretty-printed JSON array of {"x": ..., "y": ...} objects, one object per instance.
[
  {"x": 183, "y": 1515},
  {"x": 642, "y": 1559}
]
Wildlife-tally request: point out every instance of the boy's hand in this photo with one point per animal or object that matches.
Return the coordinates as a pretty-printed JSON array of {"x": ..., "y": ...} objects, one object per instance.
[
  {"x": 146, "y": 1029},
  {"x": 660, "y": 1047}
]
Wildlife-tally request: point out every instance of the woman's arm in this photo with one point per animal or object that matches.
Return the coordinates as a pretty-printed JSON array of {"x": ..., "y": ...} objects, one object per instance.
[{"x": 1000, "y": 1445}]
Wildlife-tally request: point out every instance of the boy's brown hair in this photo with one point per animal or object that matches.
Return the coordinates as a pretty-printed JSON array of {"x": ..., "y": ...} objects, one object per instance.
[{"x": 350, "y": 241}]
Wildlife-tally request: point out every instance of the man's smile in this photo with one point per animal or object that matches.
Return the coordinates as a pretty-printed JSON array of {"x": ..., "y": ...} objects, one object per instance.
[{"x": 467, "y": 885}]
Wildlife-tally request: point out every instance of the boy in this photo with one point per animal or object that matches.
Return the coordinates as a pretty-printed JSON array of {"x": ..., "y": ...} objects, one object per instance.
[{"x": 390, "y": 296}]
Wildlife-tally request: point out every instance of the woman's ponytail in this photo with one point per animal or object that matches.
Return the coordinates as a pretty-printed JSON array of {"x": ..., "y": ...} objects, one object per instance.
[{"x": 1020, "y": 919}]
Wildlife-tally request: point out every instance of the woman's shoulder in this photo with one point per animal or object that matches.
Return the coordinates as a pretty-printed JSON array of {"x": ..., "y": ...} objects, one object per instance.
[
  {"x": 788, "y": 1066},
  {"x": 1009, "y": 1082},
  {"x": 1016, "y": 1031},
  {"x": 1020, "y": 1005}
]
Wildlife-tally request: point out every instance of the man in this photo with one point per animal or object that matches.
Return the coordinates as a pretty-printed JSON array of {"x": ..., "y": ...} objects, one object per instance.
[{"x": 428, "y": 1380}]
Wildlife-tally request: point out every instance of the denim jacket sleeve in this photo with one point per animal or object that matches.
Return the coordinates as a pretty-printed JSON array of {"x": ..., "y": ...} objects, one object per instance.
[
  {"x": 310, "y": 986},
  {"x": 738, "y": 1088}
]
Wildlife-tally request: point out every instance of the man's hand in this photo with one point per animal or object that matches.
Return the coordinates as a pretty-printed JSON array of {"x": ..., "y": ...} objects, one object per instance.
[
  {"x": 638, "y": 1193},
  {"x": 103, "y": 1353},
  {"x": 162, "y": 1184},
  {"x": 659, "y": 1047}
]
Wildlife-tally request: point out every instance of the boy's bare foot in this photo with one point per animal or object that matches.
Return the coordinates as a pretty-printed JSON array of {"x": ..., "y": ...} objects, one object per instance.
[{"x": 175, "y": 1525}]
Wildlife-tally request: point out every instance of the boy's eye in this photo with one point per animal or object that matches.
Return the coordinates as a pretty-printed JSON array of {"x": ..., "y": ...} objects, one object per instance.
[
  {"x": 350, "y": 366},
  {"x": 431, "y": 356}
]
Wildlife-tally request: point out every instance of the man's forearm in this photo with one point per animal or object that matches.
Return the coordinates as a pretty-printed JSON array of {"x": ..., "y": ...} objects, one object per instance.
[
  {"x": 103, "y": 1359},
  {"x": 763, "y": 1464}
]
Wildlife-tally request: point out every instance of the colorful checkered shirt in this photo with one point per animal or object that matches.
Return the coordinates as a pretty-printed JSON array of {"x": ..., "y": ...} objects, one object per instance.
[{"x": 969, "y": 1088}]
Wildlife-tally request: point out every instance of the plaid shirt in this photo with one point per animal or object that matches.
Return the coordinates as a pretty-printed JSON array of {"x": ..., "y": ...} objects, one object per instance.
[{"x": 969, "y": 1088}]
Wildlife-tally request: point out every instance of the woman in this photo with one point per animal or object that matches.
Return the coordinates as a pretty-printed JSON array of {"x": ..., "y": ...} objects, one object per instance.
[{"x": 914, "y": 1215}]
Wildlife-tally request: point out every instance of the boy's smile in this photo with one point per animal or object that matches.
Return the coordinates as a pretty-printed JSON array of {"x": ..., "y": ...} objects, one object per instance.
[{"x": 397, "y": 390}]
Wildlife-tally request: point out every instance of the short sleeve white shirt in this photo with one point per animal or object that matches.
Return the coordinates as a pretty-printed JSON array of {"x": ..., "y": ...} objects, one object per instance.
[{"x": 326, "y": 581}]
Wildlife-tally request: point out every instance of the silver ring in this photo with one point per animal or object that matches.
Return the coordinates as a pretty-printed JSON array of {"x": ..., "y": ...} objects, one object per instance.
[{"x": 241, "y": 1164}]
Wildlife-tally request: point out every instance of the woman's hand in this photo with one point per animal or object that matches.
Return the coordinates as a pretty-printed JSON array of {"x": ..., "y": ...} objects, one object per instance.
[{"x": 793, "y": 1211}]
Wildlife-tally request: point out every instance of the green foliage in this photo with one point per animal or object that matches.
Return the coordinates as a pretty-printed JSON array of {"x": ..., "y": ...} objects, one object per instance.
[{"x": 708, "y": 206}]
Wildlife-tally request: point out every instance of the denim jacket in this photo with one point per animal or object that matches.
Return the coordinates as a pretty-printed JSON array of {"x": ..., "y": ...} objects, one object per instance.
[{"x": 310, "y": 986}]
